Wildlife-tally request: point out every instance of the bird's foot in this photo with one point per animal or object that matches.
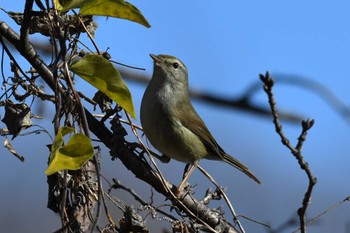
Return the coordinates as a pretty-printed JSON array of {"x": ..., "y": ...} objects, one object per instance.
[
  {"x": 164, "y": 159},
  {"x": 182, "y": 190}
]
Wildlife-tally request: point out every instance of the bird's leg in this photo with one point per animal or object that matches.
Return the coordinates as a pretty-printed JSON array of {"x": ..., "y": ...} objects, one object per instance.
[
  {"x": 185, "y": 178},
  {"x": 186, "y": 170}
]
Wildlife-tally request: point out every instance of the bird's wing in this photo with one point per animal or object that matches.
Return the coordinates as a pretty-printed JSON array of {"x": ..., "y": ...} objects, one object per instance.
[{"x": 199, "y": 128}]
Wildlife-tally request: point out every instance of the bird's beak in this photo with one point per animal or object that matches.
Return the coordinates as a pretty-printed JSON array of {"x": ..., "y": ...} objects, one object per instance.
[{"x": 156, "y": 59}]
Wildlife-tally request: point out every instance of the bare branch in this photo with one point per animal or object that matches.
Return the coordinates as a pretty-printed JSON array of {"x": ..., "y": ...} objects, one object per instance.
[
  {"x": 306, "y": 83},
  {"x": 296, "y": 151},
  {"x": 243, "y": 103},
  {"x": 26, "y": 21},
  {"x": 313, "y": 220}
]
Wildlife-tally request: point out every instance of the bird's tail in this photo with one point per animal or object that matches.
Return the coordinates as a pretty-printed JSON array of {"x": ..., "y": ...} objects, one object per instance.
[{"x": 237, "y": 164}]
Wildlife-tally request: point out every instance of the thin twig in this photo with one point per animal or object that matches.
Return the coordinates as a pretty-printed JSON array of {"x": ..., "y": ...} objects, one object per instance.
[
  {"x": 296, "y": 151},
  {"x": 150, "y": 156},
  {"x": 313, "y": 220},
  {"x": 12, "y": 58},
  {"x": 109, "y": 216},
  {"x": 118, "y": 185},
  {"x": 121, "y": 120},
  {"x": 88, "y": 33},
  {"x": 127, "y": 66},
  {"x": 227, "y": 200}
]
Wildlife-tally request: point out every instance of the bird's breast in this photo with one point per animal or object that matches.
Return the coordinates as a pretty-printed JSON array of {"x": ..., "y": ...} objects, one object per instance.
[{"x": 165, "y": 131}]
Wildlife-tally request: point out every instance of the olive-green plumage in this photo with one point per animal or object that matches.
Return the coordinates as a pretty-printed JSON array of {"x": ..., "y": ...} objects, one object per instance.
[{"x": 170, "y": 122}]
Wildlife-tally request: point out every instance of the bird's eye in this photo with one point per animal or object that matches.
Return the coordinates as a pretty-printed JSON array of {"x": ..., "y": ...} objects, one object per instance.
[{"x": 175, "y": 65}]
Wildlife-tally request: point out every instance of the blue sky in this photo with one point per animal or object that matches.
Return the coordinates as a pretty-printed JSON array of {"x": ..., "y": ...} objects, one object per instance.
[{"x": 225, "y": 46}]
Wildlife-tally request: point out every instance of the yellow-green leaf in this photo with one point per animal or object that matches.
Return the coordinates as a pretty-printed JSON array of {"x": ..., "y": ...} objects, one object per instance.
[
  {"x": 71, "y": 156},
  {"x": 65, "y": 5},
  {"x": 58, "y": 142},
  {"x": 114, "y": 8},
  {"x": 102, "y": 74}
]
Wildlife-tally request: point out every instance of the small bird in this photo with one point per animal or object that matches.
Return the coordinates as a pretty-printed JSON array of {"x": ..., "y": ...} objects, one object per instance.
[{"x": 171, "y": 123}]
